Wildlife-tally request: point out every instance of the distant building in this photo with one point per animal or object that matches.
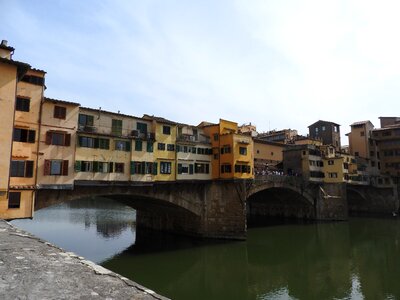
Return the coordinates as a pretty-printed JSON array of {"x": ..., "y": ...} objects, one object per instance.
[
  {"x": 267, "y": 155},
  {"x": 328, "y": 132},
  {"x": 284, "y": 136},
  {"x": 388, "y": 142}
]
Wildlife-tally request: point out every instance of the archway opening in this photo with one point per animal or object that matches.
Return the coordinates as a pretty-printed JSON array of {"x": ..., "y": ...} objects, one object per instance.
[{"x": 278, "y": 205}]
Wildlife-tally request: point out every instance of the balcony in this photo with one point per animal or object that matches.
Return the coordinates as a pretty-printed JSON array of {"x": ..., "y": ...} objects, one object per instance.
[
  {"x": 193, "y": 138},
  {"x": 87, "y": 128}
]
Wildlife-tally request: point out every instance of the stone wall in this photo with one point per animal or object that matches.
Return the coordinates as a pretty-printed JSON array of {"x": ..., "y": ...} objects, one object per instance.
[{"x": 331, "y": 202}]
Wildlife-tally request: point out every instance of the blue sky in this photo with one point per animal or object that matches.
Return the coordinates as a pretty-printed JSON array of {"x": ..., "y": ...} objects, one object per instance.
[{"x": 277, "y": 64}]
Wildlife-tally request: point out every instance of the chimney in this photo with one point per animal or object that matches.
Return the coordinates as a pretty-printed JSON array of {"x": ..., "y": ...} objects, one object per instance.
[{"x": 5, "y": 50}]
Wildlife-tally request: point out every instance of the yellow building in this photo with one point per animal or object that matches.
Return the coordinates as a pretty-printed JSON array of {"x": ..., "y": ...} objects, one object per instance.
[
  {"x": 193, "y": 154},
  {"x": 267, "y": 155},
  {"x": 164, "y": 148},
  {"x": 57, "y": 141},
  {"x": 232, "y": 152},
  {"x": 103, "y": 149},
  {"x": 14, "y": 203},
  {"x": 143, "y": 166},
  {"x": 25, "y": 147}
]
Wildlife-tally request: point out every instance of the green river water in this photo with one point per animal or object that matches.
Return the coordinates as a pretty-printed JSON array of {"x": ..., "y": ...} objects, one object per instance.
[{"x": 359, "y": 259}]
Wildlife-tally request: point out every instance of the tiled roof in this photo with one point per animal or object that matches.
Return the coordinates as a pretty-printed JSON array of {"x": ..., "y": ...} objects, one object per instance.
[
  {"x": 60, "y": 101},
  {"x": 159, "y": 119},
  {"x": 321, "y": 121},
  {"x": 108, "y": 112},
  {"x": 361, "y": 123}
]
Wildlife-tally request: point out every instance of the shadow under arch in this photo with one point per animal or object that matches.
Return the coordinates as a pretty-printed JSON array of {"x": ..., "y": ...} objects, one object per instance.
[
  {"x": 356, "y": 202},
  {"x": 278, "y": 202}
]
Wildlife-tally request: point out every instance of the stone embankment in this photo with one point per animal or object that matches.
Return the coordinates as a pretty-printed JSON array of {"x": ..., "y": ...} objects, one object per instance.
[{"x": 31, "y": 268}]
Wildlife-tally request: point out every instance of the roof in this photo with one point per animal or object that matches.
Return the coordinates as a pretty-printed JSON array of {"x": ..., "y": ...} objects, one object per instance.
[
  {"x": 60, "y": 101},
  {"x": 97, "y": 110},
  {"x": 206, "y": 124},
  {"x": 22, "y": 68},
  {"x": 159, "y": 119},
  {"x": 260, "y": 141},
  {"x": 321, "y": 121},
  {"x": 38, "y": 70},
  {"x": 388, "y": 127},
  {"x": 361, "y": 123},
  {"x": 9, "y": 48}
]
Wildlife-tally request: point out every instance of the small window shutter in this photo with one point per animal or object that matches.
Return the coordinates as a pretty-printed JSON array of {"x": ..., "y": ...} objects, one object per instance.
[
  {"x": 95, "y": 166},
  {"x": 65, "y": 167},
  {"x": 111, "y": 167},
  {"x": 132, "y": 167},
  {"x": 31, "y": 136},
  {"x": 190, "y": 169},
  {"x": 48, "y": 138},
  {"x": 47, "y": 166},
  {"x": 67, "y": 139},
  {"x": 128, "y": 146},
  {"x": 78, "y": 166},
  {"x": 179, "y": 168},
  {"x": 155, "y": 168},
  {"x": 29, "y": 168},
  {"x": 143, "y": 167},
  {"x": 96, "y": 143}
]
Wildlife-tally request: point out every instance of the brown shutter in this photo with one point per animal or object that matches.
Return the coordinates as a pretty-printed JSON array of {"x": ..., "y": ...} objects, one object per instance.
[
  {"x": 48, "y": 138},
  {"x": 67, "y": 140},
  {"x": 65, "y": 167},
  {"x": 47, "y": 166}
]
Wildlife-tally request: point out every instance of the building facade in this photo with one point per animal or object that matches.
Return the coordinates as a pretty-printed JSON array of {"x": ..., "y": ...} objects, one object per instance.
[{"x": 328, "y": 132}]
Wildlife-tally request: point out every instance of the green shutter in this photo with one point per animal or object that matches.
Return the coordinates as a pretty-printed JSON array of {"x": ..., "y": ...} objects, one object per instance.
[
  {"x": 179, "y": 168},
  {"x": 95, "y": 166},
  {"x": 78, "y": 166},
  {"x": 190, "y": 169},
  {"x": 111, "y": 167},
  {"x": 96, "y": 143},
  {"x": 132, "y": 167},
  {"x": 149, "y": 146},
  {"x": 155, "y": 168},
  {"x": 128, "y": 146}
]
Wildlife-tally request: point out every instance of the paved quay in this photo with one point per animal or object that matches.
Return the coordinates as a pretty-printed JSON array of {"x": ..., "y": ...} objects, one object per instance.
[{"x": 31, "y": 268}]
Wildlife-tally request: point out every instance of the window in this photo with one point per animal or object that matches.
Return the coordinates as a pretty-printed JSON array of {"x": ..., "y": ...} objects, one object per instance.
[
  {"x": 161, "y": 146},
  {"x": 55, "y": 167},
  {"x": 316, "y": 130},
  {"x": 101, "y": 167},
  {"x": 242, "y": 168},
  {"x": 142, "y": 127},
  {"x": 83, "y": 166},
  {"x": 201, "y": 168},
  {"x": 22, "y": 168},
  {"x": 323, "y": 128},
  {"x": 185, "y": 168},
  {"x": 332, "y": 175},
  {"x": 166, "y": 130},
  {"x": 22, "y": 104},
  {"x": 58, "y": 138},
  {"x": 225, "y": 149},
  {"x": 85, "y": 120},
  {"x": 143, "y": 167},
  {"x": 170, "y": 147},
  {"x": 14, "y": 199},
  {"x": 24, "y": 135},
  {"x": 119, "y": 167},
  {"x": 36, "y": 80},
  {"x": 331, "y": 162},
  {"x": 215, "y": 136},
  {"x": 149, "y": 147},
  {"x": 116, "y": 127},
  {"x": 242, "y": 150},
  {"x": 90, "y": 142},
  {"x": 165, "y": 167},
  {"x": 226, "y": 169},
  {"x": 138, "y": 145},
  {"x": 356, "y": 153},
  {"x": 335, "y": 129},
  {"x": 362, "y": 133},
  {"x": 122, "y": 145},
  {"x": 60, "y": 112}
]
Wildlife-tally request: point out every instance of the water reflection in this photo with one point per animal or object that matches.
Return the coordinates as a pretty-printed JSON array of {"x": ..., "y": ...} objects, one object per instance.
[
  {"x": 346, "y": 260},
  {"x": 95, "y": 228}
]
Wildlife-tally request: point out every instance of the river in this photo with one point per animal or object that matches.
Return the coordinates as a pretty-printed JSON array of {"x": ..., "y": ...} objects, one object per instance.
[{"x": 359, "y": 259}]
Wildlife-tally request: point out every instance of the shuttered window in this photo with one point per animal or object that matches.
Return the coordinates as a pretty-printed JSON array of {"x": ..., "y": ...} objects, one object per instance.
[
  {"x": 60, "y": 112},
  {"x": 56, "y": 167},
  {"x": 14, "y": 199},
  {"x": 22, "y": 168}
]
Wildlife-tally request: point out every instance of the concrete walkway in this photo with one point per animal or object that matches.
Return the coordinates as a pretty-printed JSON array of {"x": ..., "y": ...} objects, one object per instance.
[{"x": 31, "y": 268}]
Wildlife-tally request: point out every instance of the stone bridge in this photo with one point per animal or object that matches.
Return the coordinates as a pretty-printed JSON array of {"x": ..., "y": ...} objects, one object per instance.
[{"x": 221, "y": 209}]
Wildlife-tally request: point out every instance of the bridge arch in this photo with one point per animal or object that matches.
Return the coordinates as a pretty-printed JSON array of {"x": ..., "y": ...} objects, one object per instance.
[{"x": 279, "y": 199}]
